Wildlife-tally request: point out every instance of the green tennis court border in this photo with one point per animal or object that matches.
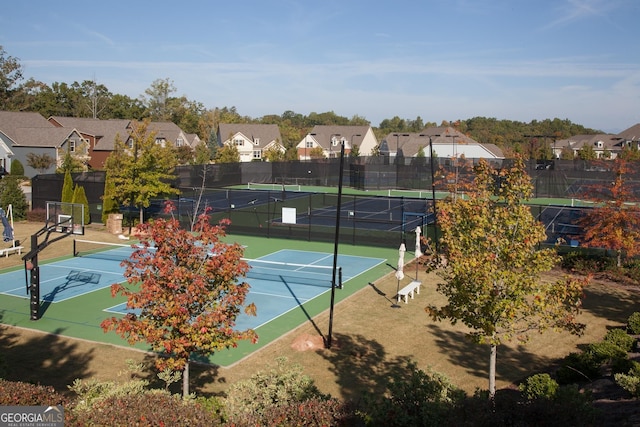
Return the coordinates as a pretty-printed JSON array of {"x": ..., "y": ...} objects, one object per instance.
[{"x": 80, "y": 317}]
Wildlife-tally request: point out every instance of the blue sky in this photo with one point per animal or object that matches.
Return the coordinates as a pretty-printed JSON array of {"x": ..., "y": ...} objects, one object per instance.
[{"x": 438, "y": 59}]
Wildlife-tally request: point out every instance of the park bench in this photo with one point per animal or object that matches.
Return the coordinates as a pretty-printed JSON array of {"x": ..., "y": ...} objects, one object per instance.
[
  {"x": 12, "y": 249},
  {"x": 409, "y": 290}
]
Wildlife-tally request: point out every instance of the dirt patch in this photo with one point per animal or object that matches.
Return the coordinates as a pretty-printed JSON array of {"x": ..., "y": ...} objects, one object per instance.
[{"x": 306, "y": 342}]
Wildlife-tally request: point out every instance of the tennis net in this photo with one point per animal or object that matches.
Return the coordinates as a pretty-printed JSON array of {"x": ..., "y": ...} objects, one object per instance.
[
  {"x": 286, "y": 272},
  {"x": 103, "y": 250},
  {"x": 283, "y": 272},
  {"x": 272, "y": 186}
]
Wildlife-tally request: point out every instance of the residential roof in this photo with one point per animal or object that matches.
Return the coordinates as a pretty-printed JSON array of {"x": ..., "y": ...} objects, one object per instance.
[
  {"x": 631, "y": 134},
  {"x": 323, "y": 133},
  {"x": 105, "y": 131},
  {"x": 446, "y": 142},
  {"x": 265, "y": 134},
  {"x": 576, "y": 142},
  {"x": 12, "y": 122}
]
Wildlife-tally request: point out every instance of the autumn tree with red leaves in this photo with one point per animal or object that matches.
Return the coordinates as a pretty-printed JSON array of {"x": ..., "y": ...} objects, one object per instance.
[
  {"x": 183, "y": 293},
  {"x": 614, "y": 222}
]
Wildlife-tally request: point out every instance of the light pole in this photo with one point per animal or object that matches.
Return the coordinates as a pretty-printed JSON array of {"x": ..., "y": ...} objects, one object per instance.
[
  {"x": 332, "y": 139},
  {"x": 351, "y": 141},
  {"x": 433, "y": 193},
  {"x": 335, "y": 245},
  {"x": 397, "y": 135},
  {"x": 455, "y": 160}
]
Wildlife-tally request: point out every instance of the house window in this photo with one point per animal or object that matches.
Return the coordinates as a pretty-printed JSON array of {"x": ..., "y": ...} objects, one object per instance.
[
  {"x": 72, "y": 145},
  {"x": 309, "y": 144},
  {"x": 238, "y": 142},
  {"x": 179, "y": 142},
  {"x": 160, "y": 141},
  {"x": 257, "y": 154},
  {"x": 256, "y": 141}
]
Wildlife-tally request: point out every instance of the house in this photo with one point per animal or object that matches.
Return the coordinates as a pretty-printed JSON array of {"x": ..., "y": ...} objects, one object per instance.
[
  {"x": 99, "y": 134},
  {"x": 251, "y": 140},
  {"x": 24, "y": 134},
  {"x": 629, "y": 137},
  {"x": 102, "y": 134},
  {"x": 330, "y": 138},
  {"x": 604, "y": 145},
  {"x": 445, "y": 141}
]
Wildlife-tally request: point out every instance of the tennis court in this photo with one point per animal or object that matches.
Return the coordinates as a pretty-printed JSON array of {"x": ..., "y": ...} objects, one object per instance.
[{"x": 75, "y": 291}]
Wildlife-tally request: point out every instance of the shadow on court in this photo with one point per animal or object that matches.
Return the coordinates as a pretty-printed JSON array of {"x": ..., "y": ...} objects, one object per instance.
[{"x": 74, "y": 279}]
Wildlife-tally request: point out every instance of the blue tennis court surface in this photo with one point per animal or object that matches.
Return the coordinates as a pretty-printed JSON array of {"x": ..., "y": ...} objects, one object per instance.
[{"x": 274, "y": 293}]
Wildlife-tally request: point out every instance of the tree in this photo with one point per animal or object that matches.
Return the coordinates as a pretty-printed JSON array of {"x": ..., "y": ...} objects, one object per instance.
[
  {"x": 227, "y": 154},
  {"x": 491, "y": 276},
  {"x": 16, "y": 168},
  {"x": 80, "y": 197},
  {"x": 355, "y": 152},
  {"x": 12, "y": 194},
  {"x": 10, "y": 75},
  {"x": 109, "y": 205},
  {"x": 614, "y": 222},
  {"x": 274, "y": 154},
  {"x": 67, "y": 188},
  {"x": 40, "y": 162},
  {"x": 202, "y": 155},
  {"x": 187, "y": 299},
  {"x": 587, "y": 152},
  {"x": 140, "y": 172},
  {"x": 157, "y": 101}
]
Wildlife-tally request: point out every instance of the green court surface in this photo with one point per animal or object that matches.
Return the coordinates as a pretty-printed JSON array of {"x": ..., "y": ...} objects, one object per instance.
[
  {"x": 415, "y": 193},
  {"x": 80, "y": 316}
]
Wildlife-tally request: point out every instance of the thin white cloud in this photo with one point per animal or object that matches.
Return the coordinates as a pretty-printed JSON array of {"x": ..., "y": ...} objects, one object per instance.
[{"x": 576, "y": 10}]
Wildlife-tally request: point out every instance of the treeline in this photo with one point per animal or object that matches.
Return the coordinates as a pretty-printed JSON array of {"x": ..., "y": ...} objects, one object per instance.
[{"x": 160, "y": 103}]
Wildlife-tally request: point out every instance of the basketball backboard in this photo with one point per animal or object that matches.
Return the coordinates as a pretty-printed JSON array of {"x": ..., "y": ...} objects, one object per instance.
[{"x": 66, "y": 218}]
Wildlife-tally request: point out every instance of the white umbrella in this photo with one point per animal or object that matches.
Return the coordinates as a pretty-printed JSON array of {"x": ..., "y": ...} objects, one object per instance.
[
  {"x": 418, "y": 251},
  {"x": 399, "y": 271}
]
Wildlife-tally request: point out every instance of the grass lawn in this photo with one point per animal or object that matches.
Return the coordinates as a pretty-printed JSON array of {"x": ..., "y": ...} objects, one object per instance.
[{"x": 372, "y": 341}]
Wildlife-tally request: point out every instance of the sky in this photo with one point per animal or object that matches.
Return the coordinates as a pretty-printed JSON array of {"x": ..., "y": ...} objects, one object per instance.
[{"x": 438, "y": 60}]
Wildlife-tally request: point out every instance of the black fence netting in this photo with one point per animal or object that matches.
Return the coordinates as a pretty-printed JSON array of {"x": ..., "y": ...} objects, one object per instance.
[
  {"x": 287, "y": 190},
  {"x": 364, "y": 220}
]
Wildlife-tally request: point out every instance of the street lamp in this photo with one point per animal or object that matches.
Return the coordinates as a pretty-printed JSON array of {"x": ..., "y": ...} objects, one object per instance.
[
  {"x": 433, "y": 193},
  {"x": 397, "y": 135}
]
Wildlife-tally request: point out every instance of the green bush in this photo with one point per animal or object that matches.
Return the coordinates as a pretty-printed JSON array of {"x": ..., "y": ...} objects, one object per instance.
[
  {"x": 604, "y": 351},
  {"x": 579, "y": 367},
  {"x": 12, "y": 194},
  {"x": 417, "y": 398},
  {"x": 281, "y": 386},
  {"x": 17, "y": 169},
  {"x": 587, "y": 263},
  {"x": 92, "y": 391},
  {"x": 539, "y": 386},
  {"x": 630, "y": 381},
  {"x": 311, "y": 412},
  {"x": 620, "y": 338},
  {"x": 633, "y": 323}
]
